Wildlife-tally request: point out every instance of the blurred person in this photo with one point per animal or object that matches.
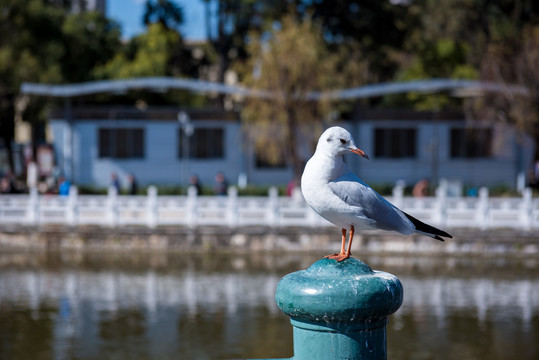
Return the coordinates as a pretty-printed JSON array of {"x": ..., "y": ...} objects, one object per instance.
[
  {"x": 290, "y": 187},
  {"x": 472, "y": 192},
  {"x": 421, "y": 188},
  {"x": 194, "y": 181},
  {"x": 221, "y": 184},
  {"x": 42, "y": 187},
  {"x": 132, "y": 185},
  {"x": 31, "y": 175},
  {"x": 5, "y": 186},
  {"x": 535, "y": 180},
  {"x": 63, "y": 186},
  {"x": 115, "y": 182}
]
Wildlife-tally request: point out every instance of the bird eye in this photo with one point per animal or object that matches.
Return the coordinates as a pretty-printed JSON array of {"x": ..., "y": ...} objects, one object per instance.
[{"x": 343, "y": 141}]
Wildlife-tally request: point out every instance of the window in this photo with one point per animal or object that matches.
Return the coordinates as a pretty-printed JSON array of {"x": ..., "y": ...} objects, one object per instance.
[
  {"x": 121, "y": 143},
  {"x": 471, "y": 143},
  {"x": 204, "y": 143},
  {"x": 395, "y": 143}
]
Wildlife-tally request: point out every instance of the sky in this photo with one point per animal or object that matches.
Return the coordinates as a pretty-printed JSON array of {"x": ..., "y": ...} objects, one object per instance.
[{"x": 129, "y": 14}]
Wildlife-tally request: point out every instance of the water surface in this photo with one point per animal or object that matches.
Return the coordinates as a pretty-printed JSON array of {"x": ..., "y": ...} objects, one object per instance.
[{"x": 221, "y": 306}]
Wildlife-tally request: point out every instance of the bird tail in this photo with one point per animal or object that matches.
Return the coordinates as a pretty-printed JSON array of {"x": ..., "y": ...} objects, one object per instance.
[{"x": 426, "y": 229}]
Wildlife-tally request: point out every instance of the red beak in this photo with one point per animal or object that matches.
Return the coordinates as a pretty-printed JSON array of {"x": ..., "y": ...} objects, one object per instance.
[{"x": 360, "y": 153}]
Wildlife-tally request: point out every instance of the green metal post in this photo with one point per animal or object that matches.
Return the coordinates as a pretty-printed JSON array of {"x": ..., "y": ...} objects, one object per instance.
[{"x": 339, "y": 310}]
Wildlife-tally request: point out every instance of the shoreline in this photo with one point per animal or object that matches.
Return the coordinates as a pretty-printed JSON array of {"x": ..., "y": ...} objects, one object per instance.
[{"x": 499, "y": 242}]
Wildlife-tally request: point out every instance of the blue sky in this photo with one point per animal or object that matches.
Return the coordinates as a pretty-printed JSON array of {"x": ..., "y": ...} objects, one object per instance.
[{"x": 129, "y": 14}]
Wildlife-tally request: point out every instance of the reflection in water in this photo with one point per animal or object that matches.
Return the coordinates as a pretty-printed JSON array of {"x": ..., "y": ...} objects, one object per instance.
[{"x": 171, "y": 306}]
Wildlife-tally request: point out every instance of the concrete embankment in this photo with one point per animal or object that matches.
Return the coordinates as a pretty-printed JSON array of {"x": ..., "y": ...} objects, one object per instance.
[{"x": 247, "y": 239}]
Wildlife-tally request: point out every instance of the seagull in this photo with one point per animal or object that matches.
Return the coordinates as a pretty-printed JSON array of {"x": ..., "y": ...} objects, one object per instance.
[{"x": 339, "y": 196}]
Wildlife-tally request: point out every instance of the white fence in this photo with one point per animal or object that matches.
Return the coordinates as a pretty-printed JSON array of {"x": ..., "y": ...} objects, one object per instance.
[{"x": 274, "y": 211}]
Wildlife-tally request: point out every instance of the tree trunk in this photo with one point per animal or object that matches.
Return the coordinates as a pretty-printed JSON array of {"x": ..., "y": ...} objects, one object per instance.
[{"x": 292, "y": 141}]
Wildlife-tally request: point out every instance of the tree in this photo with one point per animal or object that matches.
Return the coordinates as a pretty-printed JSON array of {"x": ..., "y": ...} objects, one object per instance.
[
  {"x": 31, "y": 52},
  {"x": 149, "y": 54},
  {"x": 164, "y": 12},
  {"x": 378, "y": 28},
  {"x": 289, "y": 65},
  {"x": 234, "y": 20},
  {"x": 90, "y": 40},
  {"x": 517, "y": 70},
  {"x": 157, "y": 52},
  {"x": 180, "y": 58},
  {"x": 441, "y": 58},
  {"x": 45, "y": 44},
  {"x": 510, "y": 36}
]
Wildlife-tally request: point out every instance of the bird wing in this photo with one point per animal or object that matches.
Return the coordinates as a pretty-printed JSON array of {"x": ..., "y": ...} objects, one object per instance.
[{"x": 368, "y": 203}]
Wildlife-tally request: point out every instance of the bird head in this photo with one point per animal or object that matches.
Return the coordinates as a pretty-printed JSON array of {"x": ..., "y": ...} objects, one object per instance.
[{"x": 337, "y": 141}]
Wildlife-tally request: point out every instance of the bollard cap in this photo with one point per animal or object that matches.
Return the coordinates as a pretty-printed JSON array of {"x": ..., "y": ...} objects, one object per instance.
[{"x": 335, "y": 293}]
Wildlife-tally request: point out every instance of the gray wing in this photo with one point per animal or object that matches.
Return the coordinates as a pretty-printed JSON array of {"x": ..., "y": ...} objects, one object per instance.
[{"x": 370, "y": 204}]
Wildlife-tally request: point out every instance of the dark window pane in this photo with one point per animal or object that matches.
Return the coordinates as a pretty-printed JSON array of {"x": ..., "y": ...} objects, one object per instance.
[
  {"x": 121, "y": 143},
  {"x": 471, "y": 143},
  {"x": 395, "y": 142},
  {"x": 410, "y": 142},
  {"x": 138, "y": 143},
  {"x": 204, "y": 143},
  {"x": 104, "y": 143}
]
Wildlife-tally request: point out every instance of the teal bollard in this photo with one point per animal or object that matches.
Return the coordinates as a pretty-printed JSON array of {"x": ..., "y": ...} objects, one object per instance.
[{"x": 339, "y": 310}]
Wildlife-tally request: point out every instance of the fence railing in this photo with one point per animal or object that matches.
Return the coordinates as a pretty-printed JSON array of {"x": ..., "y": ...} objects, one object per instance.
[{"x": 152, "y": 210}]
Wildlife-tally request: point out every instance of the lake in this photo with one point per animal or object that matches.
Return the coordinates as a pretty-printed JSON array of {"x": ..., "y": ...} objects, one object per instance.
[{"x": 76, "y": 305}]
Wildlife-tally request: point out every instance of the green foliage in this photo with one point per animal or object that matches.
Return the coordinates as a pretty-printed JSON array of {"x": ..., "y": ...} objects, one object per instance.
[
  {"x": 444, "y": 58},
  {"x": 153, "y": 52},
  {"x": 262, "y": 190},
  {"x": 291, "y": 47},
  {"x": 157, "y": 52},
  {"x": 290, "y": 63},
  {"x": 164, "y": 12},
  {"x": 378, "y": 28},
  {"x": 90, "y": 40},
  {"x": 33, "y": 48},
  {"x": 42, "y": 42},
  {"x": 91, "y": 190},
  {"x": 503, "y": 190}
]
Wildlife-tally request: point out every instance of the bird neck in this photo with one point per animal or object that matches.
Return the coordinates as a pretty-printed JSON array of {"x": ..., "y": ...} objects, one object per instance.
[{"x": 332, "y": 169}]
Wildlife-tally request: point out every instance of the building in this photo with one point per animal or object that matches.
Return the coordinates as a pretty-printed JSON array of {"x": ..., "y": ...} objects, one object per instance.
[
  {"x": 409, "y": 146},
  {"x": 155, "y": 146}
]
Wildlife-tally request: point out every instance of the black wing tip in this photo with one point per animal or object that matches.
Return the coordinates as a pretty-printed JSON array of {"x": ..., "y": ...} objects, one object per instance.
[
  {"x": 443, "y": 234},
  {"x": 428, "y": 229}
]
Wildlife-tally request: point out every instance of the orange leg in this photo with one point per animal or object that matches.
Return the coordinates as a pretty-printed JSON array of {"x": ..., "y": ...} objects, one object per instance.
[
  {"x": 344, "y": 254},
  {"x": 350, "y": 238},
  {"x": 343, "y": 232}
]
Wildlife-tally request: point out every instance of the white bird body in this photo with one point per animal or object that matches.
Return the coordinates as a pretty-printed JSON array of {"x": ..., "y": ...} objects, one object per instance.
[
  {"x": 338, "y": 195},
  {"x": 352, "y": 202}
]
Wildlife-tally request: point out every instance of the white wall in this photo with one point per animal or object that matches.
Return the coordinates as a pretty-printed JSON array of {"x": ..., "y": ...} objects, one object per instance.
[
  {"x": 501, "y": 168},
  {"x": 161, "y": 165}
]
